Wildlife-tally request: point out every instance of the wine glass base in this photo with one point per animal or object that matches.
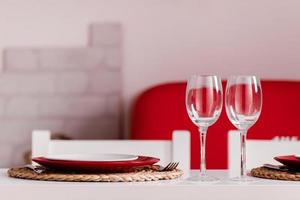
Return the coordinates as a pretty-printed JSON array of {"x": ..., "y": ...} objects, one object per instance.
[{"x": 202, "y": 178}]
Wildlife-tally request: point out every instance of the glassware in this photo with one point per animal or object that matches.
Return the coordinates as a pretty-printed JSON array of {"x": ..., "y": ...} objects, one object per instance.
[
  {"x": 204, "y": 98},
  {"x": 243, "y": 102}
]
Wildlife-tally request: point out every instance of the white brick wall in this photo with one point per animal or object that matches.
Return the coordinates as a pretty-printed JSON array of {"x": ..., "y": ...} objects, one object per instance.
[
  {"x": 26, "y": 59},
  {"x": 15, "y": 137},
  {"x": 22, "y": 107},
  {"x": 72, "y": 82},
  {"x": 109, "y": 80},
  {"x": 89, "y": 128},
  {"x": 113, "y": 105},
  {"x": 71, "y": 90},
  {"x": 15, "y": 84},
  {"x": 70, "y": 108},
  {"x": 111, "y": 53},
  {"x": 2, "y": 107},
  {"x": 53, "y": 107},
  {"x": 71, "y": 58}
]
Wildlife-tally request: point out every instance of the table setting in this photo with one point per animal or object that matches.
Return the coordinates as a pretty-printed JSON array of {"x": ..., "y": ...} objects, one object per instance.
[
  {"x": 288, "y": 170},
  {"x": 204, "y": 101},
  {"x": 96, "y": 168}
]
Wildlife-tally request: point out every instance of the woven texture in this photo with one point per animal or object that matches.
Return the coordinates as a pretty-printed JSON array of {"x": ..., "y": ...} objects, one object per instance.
[
  {"x": 138, "y": 175},
  {"x": 263, "y": 172}
]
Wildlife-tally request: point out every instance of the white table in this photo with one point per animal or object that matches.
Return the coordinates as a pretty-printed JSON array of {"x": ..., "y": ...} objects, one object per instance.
[{"x": 11, "y": 188}]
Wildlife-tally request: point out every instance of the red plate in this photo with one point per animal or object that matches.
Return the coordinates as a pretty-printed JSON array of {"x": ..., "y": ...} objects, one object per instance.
[
  {"x": 96, "y": 165},
  {"x": 290, "y": 161}
]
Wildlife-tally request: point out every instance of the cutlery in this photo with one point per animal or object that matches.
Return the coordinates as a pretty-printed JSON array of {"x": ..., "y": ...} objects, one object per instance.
[
  {"x": 277, "y": 167},
  {"x": 171, "y": 166},
  {"x": 37, "y": 169}
]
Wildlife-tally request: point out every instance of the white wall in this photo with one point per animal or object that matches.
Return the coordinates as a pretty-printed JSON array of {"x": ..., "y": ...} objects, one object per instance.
[
  {"x": 74, "y": 91},
  {"x": 169, "y": 39}
]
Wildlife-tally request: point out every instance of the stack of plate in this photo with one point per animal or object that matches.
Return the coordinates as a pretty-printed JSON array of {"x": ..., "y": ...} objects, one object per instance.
[
  {"x": 290, "y": 161},
  {"x": 94, "y": 162}
]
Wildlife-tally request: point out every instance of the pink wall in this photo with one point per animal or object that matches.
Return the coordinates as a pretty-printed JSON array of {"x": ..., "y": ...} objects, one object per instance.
[
  {"x": 74, "y": 91},
  {"x": 168, "y": 40}
]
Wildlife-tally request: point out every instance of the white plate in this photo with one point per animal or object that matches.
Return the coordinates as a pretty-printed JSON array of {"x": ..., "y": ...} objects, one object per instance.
[{"x": 109, "y": 157}]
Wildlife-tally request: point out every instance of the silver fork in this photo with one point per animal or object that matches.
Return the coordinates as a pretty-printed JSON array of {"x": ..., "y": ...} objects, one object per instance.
[
  {"x": 171, "y": 166},
  {"x": 36, "y": 168}
]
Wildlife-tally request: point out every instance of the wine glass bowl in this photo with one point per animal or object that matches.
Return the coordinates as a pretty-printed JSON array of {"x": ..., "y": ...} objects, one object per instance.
[
  {"x": 204, "y": 105},
  {"x": 204, "y": 99},
  {"x": 243, "y": 102}
]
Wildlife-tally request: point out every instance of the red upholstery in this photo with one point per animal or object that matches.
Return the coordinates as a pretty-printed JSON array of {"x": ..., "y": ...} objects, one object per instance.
[{"x": 161, "y": 109}]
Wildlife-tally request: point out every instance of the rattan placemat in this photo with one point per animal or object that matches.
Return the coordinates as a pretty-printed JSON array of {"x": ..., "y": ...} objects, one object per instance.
[
  {"x": 138, "y": 175},
  {"x": 263, "y": 172}
]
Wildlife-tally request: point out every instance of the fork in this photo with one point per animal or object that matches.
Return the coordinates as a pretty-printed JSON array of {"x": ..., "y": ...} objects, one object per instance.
[
  {"x": 36, "y": 168},
  {"x": 171, "y": 166}
]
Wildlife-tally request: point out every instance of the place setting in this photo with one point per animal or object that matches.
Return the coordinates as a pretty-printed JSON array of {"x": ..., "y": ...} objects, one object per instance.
[
  {"x": 96, "y": 168},
  {"x": 288, "y": 169}
]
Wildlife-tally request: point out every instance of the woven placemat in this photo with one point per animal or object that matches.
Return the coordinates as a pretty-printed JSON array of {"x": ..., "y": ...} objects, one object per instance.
[
  {"x": 138, "y": 175},
  {"x": 263, "y": 172}
]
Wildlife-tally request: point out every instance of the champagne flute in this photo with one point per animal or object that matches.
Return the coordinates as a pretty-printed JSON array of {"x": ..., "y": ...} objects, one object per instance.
[
  {"x": 204, "y": 105},
  {"x": 243, "y": 102}
]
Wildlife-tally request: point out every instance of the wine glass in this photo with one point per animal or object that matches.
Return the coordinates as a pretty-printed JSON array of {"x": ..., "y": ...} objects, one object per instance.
[
  {"x": 243, "y": 102},
  {"x": 204, "y": 105}
]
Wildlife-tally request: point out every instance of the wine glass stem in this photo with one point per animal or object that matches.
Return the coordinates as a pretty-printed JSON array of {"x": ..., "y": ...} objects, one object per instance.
[
  {"x": 243, "y": 153},
  {"x": 202, "y": 131}
]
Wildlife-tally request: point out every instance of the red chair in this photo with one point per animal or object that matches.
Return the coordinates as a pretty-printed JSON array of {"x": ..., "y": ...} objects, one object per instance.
[{"x": 161, "y": 109}]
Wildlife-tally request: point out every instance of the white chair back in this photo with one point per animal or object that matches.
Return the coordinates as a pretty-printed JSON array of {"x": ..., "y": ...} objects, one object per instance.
[
  {"x": 178, "y": 149},
  {"x": 259, "y": 152}
]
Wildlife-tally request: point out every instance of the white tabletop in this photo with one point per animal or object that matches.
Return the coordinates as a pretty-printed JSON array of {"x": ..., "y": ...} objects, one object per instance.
[{"x": 11, "y": 188}]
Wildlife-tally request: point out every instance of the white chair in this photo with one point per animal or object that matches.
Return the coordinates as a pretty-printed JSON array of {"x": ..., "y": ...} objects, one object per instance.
[
  {"x": 258, "y": 152},
  {"x": 178, "y": 149}
]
